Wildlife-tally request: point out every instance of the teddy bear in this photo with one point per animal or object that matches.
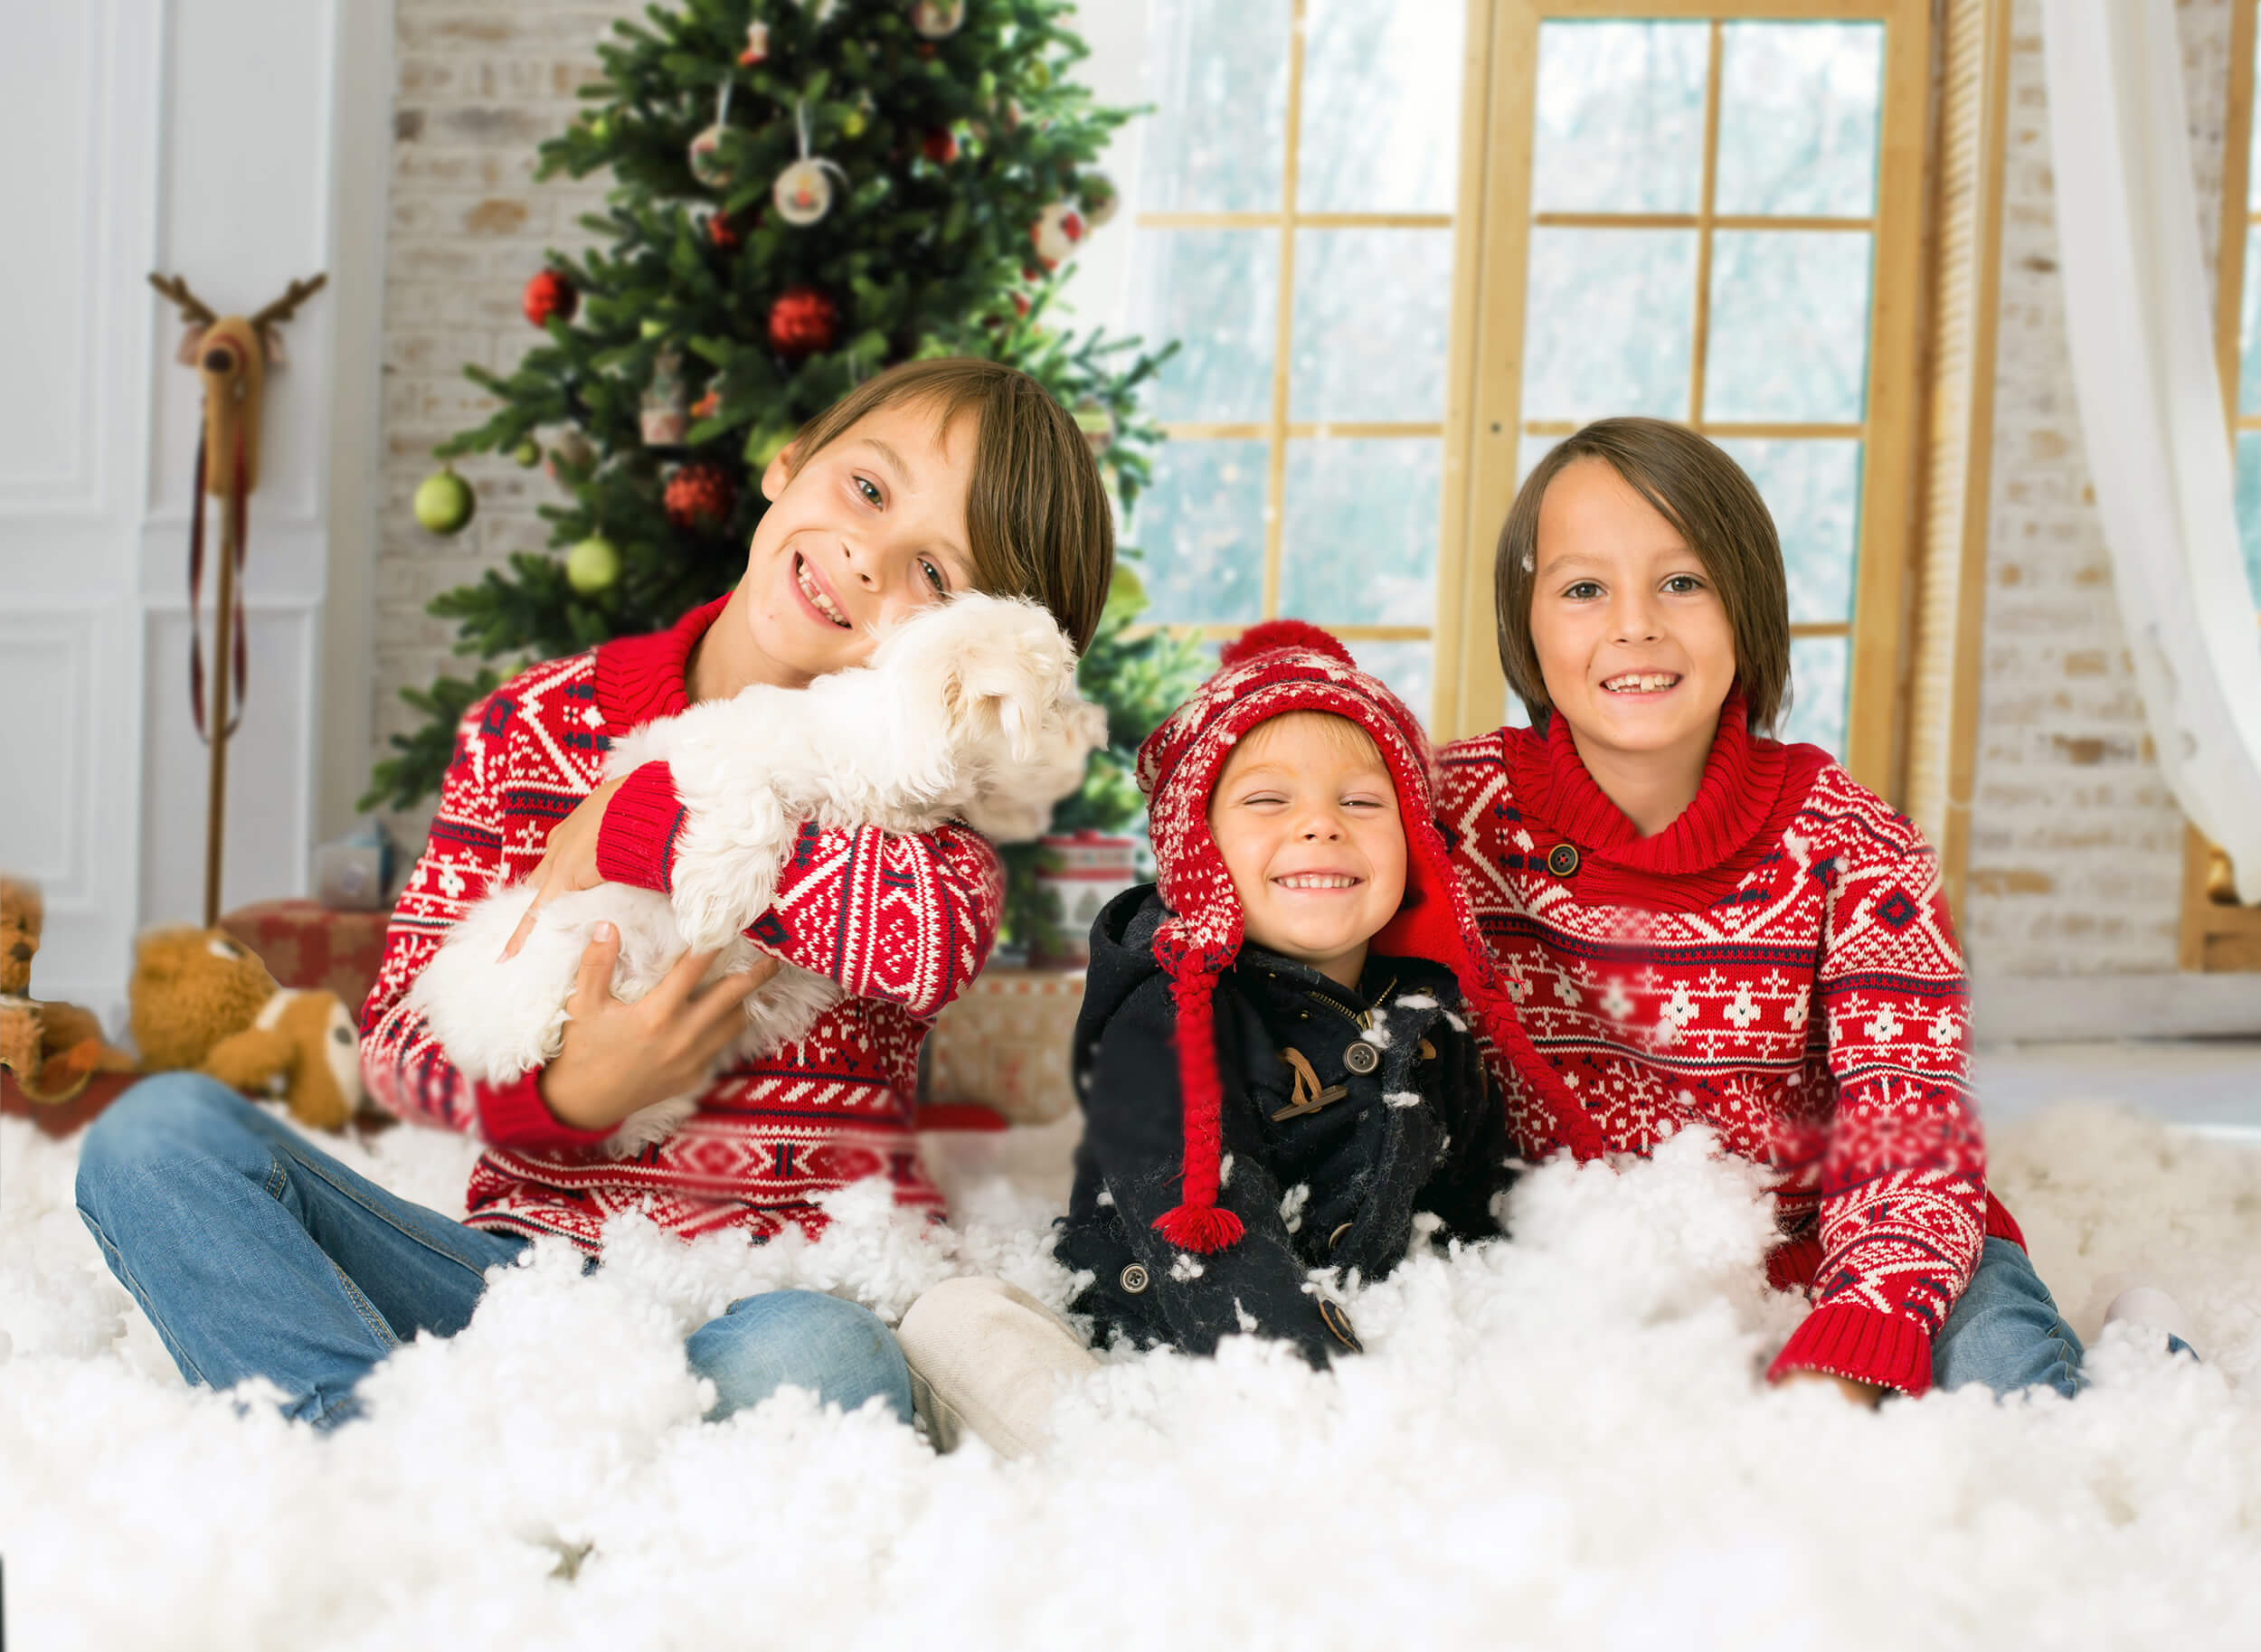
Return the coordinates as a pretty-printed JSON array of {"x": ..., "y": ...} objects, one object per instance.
[
  {"x": 51, "y": 1048},
  {"x": 202, "y": 1000}
]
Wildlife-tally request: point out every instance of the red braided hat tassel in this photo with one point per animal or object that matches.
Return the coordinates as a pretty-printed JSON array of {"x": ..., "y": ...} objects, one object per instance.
[{"x": 1199, "y": 1224}]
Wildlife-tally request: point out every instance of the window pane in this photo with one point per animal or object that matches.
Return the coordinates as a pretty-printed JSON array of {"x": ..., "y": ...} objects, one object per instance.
[
  {"x": 1798, "y": 104},
  {"x": 1812, "y": 490},
  {"x": 1818, "y": 676},
  {"x": 1218, "y": 78},
  {"x": 1358, "y": 545},
  {"x": 1607, "y": 323},
  {"x": 1381, "y": 106},
  {"x": 1202, "y": 527},
  {"x": 1789, "y": 326},
  {"x": 2249, "y": 507},
  {"x": 1527, "y": 453},
  {"x": 2249, "y": 324},
  {"x": 1372, "y": 308},
  {"x": 1620, "y": 122},
  {"x": 1408, "y": 667},
  {"x": 1215, "y": 291}
]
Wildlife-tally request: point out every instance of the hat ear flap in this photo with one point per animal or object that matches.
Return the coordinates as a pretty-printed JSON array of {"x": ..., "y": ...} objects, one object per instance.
[{"x": 1197, "y": 1223}]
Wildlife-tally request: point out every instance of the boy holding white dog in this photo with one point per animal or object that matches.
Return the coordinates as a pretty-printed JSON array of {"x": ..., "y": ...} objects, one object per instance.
[{"x": 255, "y": 1254}]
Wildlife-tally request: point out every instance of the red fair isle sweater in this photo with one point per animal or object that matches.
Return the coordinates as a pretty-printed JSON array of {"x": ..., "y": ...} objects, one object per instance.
[
  {"x": 901, "y": 922},
  {"x": 1777, "y": 964}
]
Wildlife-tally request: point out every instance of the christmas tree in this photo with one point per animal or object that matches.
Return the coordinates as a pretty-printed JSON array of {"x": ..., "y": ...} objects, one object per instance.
[{"x": 806, "y": 192}]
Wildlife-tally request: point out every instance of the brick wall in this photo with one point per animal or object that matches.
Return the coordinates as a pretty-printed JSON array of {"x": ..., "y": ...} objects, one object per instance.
[
  {"x": 479, "y": 83},
  {"x": 2076, "y": 845}
]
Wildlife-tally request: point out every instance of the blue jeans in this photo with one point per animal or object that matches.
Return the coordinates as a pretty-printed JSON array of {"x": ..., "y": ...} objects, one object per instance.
[
  {"x": 255, "y": 1253},
  {"x": 2006, "y": 1332}
]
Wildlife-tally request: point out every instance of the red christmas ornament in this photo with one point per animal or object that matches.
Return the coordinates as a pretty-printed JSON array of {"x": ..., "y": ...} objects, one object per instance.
[
  {"x": 546, "y": 295},
  {"x": 722, "y": 231},
  {"x": 707, "y": 405},
  {"x": 699, "y": 497},
  {"x": 940, "y": 146},
  {"x": 802, "y": 322}
]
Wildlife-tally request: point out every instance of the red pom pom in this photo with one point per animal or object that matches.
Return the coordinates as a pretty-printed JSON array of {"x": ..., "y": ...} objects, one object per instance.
[
  {"x": 802, "y": 322},
  {"x": 699, "y": 497},
  {"x": 1274, "y": 634},
  {"x": 1200, "y": 1228},
  {"x": 939, "y": 146},
  {"x": 546, "y": 295}
]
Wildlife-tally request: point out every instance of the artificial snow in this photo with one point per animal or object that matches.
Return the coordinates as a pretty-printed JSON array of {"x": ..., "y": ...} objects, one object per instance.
[{"x": 1556, "y": 1440}]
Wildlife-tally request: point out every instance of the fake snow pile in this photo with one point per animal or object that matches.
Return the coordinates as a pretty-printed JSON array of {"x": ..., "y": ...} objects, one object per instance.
[{"x": 1556, "y": 1442}]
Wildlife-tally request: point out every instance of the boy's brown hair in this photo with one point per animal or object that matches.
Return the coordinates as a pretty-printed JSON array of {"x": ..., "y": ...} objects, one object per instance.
[
  {"x": 1036, "y": 513},
  {"x": 1716, "y": 508}
]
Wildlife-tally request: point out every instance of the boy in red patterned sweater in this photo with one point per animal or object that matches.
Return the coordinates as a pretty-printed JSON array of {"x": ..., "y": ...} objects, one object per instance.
[
  {"x": 256, "y": 1254},
  {"x": 1699, "y": 924}
]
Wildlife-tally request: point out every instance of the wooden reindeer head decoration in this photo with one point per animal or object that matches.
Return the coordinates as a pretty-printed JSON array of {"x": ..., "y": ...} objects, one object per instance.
[{"x": 232, "y": 354}]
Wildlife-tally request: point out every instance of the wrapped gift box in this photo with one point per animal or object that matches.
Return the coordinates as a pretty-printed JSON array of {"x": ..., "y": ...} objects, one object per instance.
[
  {"x": 1004, "y": 1045},
  {"x": 309, "y": 946}
]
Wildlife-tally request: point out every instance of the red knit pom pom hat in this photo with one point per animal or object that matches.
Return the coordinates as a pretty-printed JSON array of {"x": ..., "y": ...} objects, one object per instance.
[{"x": 1282, "y": 666}]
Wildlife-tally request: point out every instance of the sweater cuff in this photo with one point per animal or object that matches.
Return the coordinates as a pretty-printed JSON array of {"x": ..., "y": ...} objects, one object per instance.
[
  {"x": 636, "y": 841},
  {"x": 514, "y": 1115},
  {"x": 2001, "y": 1224},
  {"x": 1845, "y": 1339}
]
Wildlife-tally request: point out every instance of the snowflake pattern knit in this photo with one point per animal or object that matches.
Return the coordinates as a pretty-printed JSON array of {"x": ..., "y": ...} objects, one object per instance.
[
  {"x": 1777, "y": 964},
  {"x": 901, "y": 923}
]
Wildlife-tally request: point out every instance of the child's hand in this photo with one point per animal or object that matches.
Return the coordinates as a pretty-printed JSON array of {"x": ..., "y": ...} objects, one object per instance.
[
  {"x": 617, "y": 1058},
  {"x": 569, "y": 859},
  {"x": 1859, "y": 1393}
]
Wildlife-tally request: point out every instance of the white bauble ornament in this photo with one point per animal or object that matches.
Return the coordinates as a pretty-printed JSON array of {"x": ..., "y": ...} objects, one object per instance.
[
  {"x": 803, "y": 192},
  {"x": 705, "y": 158},
  {"x": 1057, "y": 233},
  {"x": 938, "y": 19}
]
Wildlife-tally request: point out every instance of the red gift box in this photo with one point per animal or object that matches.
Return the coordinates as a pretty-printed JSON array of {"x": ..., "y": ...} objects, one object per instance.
[{"x": 309, "y": 946}]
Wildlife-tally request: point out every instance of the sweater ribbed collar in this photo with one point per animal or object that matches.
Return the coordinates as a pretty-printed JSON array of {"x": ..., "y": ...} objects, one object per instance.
[
  {"x": 1750, "y": 787},
  {"x": 641, "y": 679}
]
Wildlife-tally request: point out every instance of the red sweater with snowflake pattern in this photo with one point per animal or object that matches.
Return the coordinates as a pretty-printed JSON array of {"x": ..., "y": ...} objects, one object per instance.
[
  {"x": 1777, "y": 964},
  {"x": 901, "y": 922}
]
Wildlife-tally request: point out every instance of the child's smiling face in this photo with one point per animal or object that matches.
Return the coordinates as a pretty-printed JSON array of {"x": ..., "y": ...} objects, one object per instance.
[
  {"x": 1306, "y": 818},
  {"x": 871, "y": 528},
  {"x": 1635, "y": 647}
]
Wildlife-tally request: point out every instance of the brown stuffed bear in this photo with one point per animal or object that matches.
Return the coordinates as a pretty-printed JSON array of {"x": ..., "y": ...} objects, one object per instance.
[
  {"x": 52, "y": 1049},
  {"x": 203, "y": 1000}
]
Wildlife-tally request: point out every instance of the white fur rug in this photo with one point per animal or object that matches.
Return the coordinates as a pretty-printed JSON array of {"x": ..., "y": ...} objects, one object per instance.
[{"x": 1559, "y": 1441}]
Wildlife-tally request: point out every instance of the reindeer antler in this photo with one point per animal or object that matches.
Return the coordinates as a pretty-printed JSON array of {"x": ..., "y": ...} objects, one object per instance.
[
  {"x": 193, "y": 310},
  {"x": 278, "y": 312}
]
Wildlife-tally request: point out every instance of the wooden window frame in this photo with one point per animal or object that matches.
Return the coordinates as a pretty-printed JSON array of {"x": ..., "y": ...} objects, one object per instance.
[
  {"x": 1484, "y": 423},
  {"x": 2216, "y": 934}
]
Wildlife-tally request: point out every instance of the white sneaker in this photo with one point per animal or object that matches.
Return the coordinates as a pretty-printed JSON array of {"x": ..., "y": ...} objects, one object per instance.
[
  {"x": 2148, "y": 1306},
  {"x": 985, "y": 1357}
]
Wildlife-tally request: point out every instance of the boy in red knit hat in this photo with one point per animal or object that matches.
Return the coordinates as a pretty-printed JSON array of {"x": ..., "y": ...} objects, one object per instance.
[
  {"x": 256, "y": 1254},
  {"x": 1699, "y": 924},
  {"x": 1278, "y": 1053}
]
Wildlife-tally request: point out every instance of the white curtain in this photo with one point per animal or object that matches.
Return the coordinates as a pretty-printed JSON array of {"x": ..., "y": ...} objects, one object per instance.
[{"x": 2150, "y": 404}]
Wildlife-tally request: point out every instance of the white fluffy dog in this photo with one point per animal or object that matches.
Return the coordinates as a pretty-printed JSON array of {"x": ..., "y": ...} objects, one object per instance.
[{"x": 966, "y": 711}]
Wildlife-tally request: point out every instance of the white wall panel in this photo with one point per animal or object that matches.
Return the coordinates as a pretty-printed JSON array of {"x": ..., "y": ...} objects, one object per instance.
[
  {"x": 52, "y": 105},
  {"x": 46, "y": 669},
  {"x": 268, "y": 821}
]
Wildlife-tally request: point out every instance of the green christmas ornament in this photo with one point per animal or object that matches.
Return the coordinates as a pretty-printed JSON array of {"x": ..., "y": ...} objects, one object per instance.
[
  {"x": 528, "y": 453},
  {"x": 444, "y": 502},
  {"x": 592, "y": 566},
  {"x": 650, "y": 326}
]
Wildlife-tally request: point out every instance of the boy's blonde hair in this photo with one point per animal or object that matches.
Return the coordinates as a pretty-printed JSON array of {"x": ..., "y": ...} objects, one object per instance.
[
  {"x": 1713, "y": 505},
  {"x": 1037, "y": 513}
]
